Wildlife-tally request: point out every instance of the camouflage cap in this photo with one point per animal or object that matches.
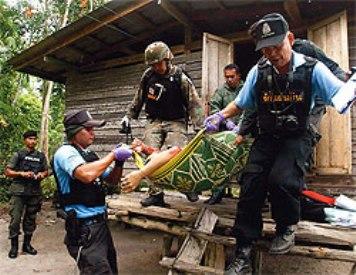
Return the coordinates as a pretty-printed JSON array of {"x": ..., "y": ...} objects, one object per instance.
[{"x": 156, "y": 52}]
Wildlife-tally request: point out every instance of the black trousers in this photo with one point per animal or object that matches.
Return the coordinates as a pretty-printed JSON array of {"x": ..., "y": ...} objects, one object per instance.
[
  {"x": 275, "y": 168},
  {"x": 97, "y": 255}
]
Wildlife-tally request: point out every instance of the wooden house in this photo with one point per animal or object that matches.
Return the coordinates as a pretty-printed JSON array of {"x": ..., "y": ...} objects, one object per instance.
[{"x": 99, "y": 58}]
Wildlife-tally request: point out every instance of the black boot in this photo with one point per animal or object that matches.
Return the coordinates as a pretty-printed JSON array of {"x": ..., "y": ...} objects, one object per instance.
[
  {"x": 192, "y": 196},
  {"x": 154, "y": 200},
  {"x": 242, "y": 262},
  {"x": 27, "y": 247},
  {"x": 284, "y": 240},
  {"x": 216, "y": 197},
  {"x": 14, "y": 247}
]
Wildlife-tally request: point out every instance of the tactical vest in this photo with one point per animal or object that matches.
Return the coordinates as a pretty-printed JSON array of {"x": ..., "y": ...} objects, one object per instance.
[
  {"x": 283, "y": 101},
  {"x": 164, "y": 97},
  {"x": 29, "y": 161},
  {"x": 88, "y": 194}
]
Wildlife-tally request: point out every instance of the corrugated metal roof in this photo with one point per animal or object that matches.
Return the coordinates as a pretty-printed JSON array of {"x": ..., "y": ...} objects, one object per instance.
[{"x": 121, "y": 29}]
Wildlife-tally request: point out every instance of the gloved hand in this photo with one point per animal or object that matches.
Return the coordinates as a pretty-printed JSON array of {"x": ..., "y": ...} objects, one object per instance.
[
  {"x": 229, "y": 125},
  {"x": 125, "y": 125},
  {"x": 213, "y": 122},
  {"x": 122, "y": 153}
]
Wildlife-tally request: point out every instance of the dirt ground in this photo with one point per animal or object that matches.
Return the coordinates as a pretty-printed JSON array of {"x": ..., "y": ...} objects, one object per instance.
[{"x": 139, "y": 252}]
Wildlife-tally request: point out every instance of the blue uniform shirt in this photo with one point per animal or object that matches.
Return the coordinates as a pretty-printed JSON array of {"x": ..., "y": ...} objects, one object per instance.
[
  {"x": 66, "y": 160},
  {"x": 324, "y": 84}
]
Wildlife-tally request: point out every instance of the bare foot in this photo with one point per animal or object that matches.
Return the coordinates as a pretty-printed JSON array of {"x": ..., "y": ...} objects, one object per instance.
[{"x": 131, "y": 181}]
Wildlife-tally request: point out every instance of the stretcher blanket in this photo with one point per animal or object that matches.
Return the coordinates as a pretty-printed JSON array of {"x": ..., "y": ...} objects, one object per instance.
[{"x": 205, "y": 163}]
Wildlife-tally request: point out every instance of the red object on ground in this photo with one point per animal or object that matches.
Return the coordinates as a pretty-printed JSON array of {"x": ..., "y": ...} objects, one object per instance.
[{"x": 318, "y": 197}]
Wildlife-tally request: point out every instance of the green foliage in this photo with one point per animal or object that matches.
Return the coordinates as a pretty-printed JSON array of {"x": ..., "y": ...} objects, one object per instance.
[{"x": 20, "y": 99}]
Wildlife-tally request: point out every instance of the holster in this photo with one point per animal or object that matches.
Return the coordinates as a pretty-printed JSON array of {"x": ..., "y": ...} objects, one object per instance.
[{"x": 72, "y": 225}]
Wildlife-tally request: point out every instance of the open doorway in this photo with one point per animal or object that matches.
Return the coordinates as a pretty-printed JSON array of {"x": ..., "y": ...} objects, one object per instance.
[{"x": 245, "y": 57}]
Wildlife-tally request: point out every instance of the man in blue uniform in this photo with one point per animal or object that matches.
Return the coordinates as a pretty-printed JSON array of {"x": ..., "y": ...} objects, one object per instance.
[
  {"x": 28, "y": 167},
  {"x": 282, "y": 89},
  {"x": 80, "y": 174}
]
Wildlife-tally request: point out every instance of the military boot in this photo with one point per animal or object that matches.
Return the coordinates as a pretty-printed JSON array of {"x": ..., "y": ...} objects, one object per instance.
[
  {"x": 191, "y": 196},
  {"x": 154, "y": 200},
  {"x": 242, "y": 262},
  {"x": 14, "y": 247},
  {"x": 27, "y": 247},
  {"x": 284, "y": 240}
]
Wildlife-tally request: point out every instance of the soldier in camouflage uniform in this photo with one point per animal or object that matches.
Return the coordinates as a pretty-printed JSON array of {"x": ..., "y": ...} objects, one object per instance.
[
  {"x": 170, "y": 100},
  {"x": 27, "y": 167},
  {"x": 220, "y": 99}
]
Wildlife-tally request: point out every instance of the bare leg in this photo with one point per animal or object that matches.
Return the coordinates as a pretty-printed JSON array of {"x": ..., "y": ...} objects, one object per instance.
[{"x": 132, "y": 180}]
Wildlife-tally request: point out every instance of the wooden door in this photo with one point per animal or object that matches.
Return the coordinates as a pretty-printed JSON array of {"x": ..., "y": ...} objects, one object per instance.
[
  {"x": 333, "y": 153},
  {"x": 217, "y": 53}
]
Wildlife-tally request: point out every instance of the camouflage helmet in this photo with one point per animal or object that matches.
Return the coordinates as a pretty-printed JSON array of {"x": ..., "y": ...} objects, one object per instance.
[{"x": 156, "y": 52}]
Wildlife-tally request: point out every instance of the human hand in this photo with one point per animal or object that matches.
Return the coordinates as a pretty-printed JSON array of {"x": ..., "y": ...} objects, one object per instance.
[
  {"x": 229, "y": 125},
  {"x": 137, "y": 145},
  {"x": 28, "y": 175},
  {"x": 239, "y": 139},
  {"x": 131, "y": 181},
  {"x": 122, "y": 153},
  {"x": 213, "y": 122}
]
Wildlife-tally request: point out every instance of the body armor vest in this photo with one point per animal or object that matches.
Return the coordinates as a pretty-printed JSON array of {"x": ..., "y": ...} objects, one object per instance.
[
  {"x": 88, "y": 194},
  {"x": 164, "y": 97},
  {"x": 283, "y": 101},
  {"x": 29, "y": 161}
]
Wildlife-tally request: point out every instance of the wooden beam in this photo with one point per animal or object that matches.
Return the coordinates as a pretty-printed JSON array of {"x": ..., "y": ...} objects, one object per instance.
[
  {"x": 187, "y": 40},
  {"x": 127, "y": 42},
  {"x": 57, "y": 77},
  {"x": 174, "y": 12},
  {"x": 142, "y": 20},
  {"x": 220, "y": 5},
  {"x": 63, "y": 64},
  {"x": 292, "y": 9},
  {"x": 133, "y": 59},
  {"x": 55, "y": 42},
  {"x": 188, "y": 267}
]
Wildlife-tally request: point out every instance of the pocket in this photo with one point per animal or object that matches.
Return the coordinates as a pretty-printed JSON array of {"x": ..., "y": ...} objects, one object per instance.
[{"x": 85, "y": 236}]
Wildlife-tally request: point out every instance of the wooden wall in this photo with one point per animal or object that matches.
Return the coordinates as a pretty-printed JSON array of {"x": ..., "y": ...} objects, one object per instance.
[
  {"x": 352, "y": 60},
  {"x": 107, "y": 94}
]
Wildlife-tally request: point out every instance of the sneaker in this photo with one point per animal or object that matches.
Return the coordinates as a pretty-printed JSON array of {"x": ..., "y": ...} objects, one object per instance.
[
  {"x": 284, "y": 241},
  {"x": 154, "y": 200},
  {"x": 242, "y": 262}
]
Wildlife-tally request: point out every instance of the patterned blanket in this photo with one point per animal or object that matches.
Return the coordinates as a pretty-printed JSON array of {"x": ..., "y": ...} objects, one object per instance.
[{"x": 208, "y": 161}]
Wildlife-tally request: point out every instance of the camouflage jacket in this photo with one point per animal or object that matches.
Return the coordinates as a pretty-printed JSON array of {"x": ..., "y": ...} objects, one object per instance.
[
  {"x": 194, "y": 106},
  {"x": 222, "y": 97}
]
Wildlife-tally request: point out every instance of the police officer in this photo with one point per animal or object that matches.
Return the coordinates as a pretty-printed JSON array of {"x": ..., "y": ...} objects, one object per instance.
[
  {"x": 80, "y": 174},
  {"x": 308, "y": 48},
  {"x": 170, "y": 100},
  {"x": 27, "y": 167},
  {"x": 282, "y": 89},
  {"x": 220, "y": 99}
]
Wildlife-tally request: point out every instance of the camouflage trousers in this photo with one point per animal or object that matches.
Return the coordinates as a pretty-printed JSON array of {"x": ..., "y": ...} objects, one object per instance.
[
  {"x": 28, "y": 206},
  {"x": 164, "y": 134}
]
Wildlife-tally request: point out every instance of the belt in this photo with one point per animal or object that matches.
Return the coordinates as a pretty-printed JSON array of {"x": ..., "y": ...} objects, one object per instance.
[{"x": 93, "y": 220}]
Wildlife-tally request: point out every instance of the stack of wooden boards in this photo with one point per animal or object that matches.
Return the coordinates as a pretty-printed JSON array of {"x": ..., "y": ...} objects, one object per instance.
[{"x": 203, "y": 230}]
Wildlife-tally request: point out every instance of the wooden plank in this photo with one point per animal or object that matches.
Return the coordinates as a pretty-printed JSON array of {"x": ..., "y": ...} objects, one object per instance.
[
  {"x": 175, "y": 13},
  {"x": 193, "y": 248},
  {"x": 292, "y": 9},
  {"x": 317, "y": 252},
  {"x": 188, "y": 267}
]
